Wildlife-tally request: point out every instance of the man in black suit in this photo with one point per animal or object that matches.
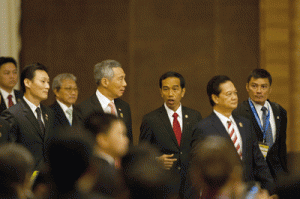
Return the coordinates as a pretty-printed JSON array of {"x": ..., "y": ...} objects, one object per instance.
[
  {"x": 223, "y": 97},
  {"x": 66, "y": 92},
  {"x": 8, "y": 80},
  {"x": 169, "y": 128},
  {"x": 110, "y": 79},
  {"x": 111, "y": 143},
  {"x": 31, "y": 122},
  {"x": 271, "y": 137}
]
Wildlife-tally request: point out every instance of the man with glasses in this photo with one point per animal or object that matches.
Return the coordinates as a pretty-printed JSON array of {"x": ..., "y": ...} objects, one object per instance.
[{"x": 66, "y": 92}]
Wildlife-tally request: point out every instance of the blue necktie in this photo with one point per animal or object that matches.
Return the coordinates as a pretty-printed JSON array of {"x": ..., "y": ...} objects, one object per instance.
[{"x": 269, "y": 136}]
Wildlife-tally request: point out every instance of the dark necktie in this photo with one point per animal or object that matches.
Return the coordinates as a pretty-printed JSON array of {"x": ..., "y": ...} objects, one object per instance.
[
  {"x": 39, "y": 118},
  {"x": 10, "y": 102},
  {"x": 176, "y": 128},
  {"x": 269, "y": 136}
]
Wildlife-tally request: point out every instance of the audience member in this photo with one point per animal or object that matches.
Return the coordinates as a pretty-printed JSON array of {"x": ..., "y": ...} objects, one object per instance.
[
  {"x": 16, "y": 167},
  {"x": 110, "y": 79},
  {"x": 8, "y": 80},
  {"x": 32, "y": 122},
  {"x": 169, "y": 128}
]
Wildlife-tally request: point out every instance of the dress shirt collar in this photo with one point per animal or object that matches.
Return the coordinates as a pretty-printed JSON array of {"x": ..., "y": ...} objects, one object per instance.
[
  {"x": 105, "y": 156},
  {"x": 31, "y": 105},
  {"x": 224, "y": 119},
  {"x": 258, "y": 106},
  {"x": 5, "y": 94},
  {"x": 104, "y": 101},
  {"x": 170, "y": 112},
  {"x": 63, "y": 106}
]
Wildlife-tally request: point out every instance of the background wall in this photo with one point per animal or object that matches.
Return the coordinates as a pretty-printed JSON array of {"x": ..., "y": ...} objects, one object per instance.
[{"x": 198, "y": 39}]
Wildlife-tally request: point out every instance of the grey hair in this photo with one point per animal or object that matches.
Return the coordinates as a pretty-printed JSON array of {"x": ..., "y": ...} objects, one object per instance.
[
  {"x": 57, "y": 81},
  {"x": 105, "y": 69}
]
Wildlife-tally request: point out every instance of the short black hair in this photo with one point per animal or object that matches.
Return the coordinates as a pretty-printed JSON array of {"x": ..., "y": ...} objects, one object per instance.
[
  {"x": 4, "y": 60},
  {"x": 29, "y": 73},
  {"x": 260, "y": 73},
  {"x": 99, "y": 122},
  {"x": 172, "y": 74},
  {"x": 213, "y": 86}
]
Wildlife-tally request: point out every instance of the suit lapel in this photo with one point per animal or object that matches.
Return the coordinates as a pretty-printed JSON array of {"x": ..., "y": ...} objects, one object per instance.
[
  {"x": 2, "y": 105},
  {"x": 186, "y": 129},
  {"x": 96, "y": 103},
  {"x": 218, "y": 125},
  {"x": 61, "y": 114},
  {"x": 276, "y": 113},
  {"x": 31, "y": 118},
  {"x": 258, "y": 131},
  {"x": 46, "y": 120},
  {"x": 240, "y": 126},
  {"x": 167, "y": 124},
  {"x": 119, "y": 109}
]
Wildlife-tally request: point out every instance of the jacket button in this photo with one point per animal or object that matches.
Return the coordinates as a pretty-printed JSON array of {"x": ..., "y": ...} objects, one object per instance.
[{"x": 178, "y": 168}]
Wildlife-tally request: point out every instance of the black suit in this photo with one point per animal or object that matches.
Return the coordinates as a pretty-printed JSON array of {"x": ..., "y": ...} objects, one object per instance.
[
  {"x": 92, "y": 105},
  {"x": 3, "y": 106},
  {"x": 25, "y": 129},
  {"x": 4, "y": 128},
  {"x": 277, "y": 154},
  {"x": 157, "y": 130},
  {"x": 255, "y": 167},
  {"x": 60, "y": 119}
]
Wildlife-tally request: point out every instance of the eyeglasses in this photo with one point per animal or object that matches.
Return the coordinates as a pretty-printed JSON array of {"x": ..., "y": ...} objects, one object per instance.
[{"x": 69, "y": 89}]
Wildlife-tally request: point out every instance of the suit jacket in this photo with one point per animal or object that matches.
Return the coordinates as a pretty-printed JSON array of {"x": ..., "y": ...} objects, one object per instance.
[
  {"x": 277, "y": 154},
  {"x": 92, "y": 104},
  {"x": 255, "y": 167},
  {"x": 157, "y": 130},
  {"x": 60, "y": 119},
  {"x": 4, "y": 129},
  {"x": 25, "y": 129},
  {"x": 3, "y": 106}
]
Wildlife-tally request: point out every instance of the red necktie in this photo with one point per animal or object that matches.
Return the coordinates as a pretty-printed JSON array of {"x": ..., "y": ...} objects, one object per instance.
[
  {"x": 10, "y": 102},
  {"x": 176, "y": 128},
  {"x": 234, "y": 138}
]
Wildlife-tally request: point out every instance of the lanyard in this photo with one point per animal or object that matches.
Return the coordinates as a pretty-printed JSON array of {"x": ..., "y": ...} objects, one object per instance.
[{"x": 258, "y": 120}]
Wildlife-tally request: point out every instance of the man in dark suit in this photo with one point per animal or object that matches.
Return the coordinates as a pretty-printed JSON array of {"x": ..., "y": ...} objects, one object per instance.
[
  {"x": 274, "y": 149},
  {"x": 169, "y": 128},
  {"x": 111, "y": 143},
  {"x": 223, "y": 97},
  {"x": 66, "y": 92},
  {"x": 8, "y": 80},
  {"x": 31, "y": 122},
  {"x": 110, "y": 79}
]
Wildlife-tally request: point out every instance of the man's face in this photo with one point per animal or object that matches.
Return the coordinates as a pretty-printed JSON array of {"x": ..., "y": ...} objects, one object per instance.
[
  {"x": 259, "y": 90},
  {"x": 227, "y": 99},
  {"x": 68, "y": 92},
  {"x": 8, "y": 76},
  {"x": 116, "y": 85},
  {"x": 116, "y": 141},
  {"x": 39, "y": 86},
  {"x": 172, "y": 92}
]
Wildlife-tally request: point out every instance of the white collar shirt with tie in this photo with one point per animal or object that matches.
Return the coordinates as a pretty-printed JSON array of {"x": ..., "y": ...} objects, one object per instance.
[
  {"x": 66, "y": 109},
  {"x": 33, "y": 108},
  {"x": 104, "y": 101},
  {"x": 260, "y": 115},
  {"x": 225, "y": 120},
  {"x": 170, "y": 113},
  {"x": 5, "y": 96}
]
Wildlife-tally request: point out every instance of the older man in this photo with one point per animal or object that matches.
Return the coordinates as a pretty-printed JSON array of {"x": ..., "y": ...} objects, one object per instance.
[
  {"x": 110, "y": 79},
  {"x": 66, "y": 92}
]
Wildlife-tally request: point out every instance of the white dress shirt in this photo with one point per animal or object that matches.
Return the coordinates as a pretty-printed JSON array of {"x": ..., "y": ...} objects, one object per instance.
[
  {"x": 33, "y": 108},
  {"x": 104, "y": 101}
]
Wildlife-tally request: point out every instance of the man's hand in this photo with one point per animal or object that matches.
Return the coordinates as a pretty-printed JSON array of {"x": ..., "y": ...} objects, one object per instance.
[{"x": 167, "y": 160}]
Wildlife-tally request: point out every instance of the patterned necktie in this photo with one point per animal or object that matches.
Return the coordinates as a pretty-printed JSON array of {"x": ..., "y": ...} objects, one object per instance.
[
  {"x": 234, "y": 138},
  {"x": 10, "y": 102},
  {"x": 39, "y": 118},
  {"x": 69, "y": 115},
  {"x": 176, "y": 128},
  {"x": 269, "y": 136},
  {"x": 112, "y": 108}
]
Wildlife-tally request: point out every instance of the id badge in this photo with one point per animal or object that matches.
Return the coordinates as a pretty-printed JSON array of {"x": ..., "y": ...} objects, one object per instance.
[{"x": 263, "y": 148}]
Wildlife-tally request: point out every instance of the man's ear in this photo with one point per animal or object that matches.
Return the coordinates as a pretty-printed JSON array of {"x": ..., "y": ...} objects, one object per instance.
[
  {"x": 183, "y": 92},
  {"x": 27, "y": 82},
  {"x": 55, "y": 91},
  {"x": 215, "y": 98},
  {"x": 101, "y": 139},
  {"x": 247, "y": 87},
  {"x": 104, "y": 82}
]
